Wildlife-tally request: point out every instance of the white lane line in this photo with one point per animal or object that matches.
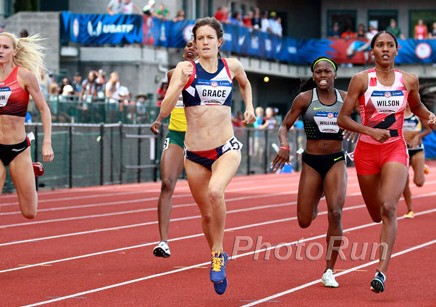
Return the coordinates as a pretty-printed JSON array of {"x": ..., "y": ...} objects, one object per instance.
[
  {"x": 246, "y": 186},
  {"x": 238, "y": 256},
  {"x": 131, "y": 211},
  {"x": 171, "y": 240},
  {"x": 141, "y": 224},
  {"x": 317, "y": 281},
  {"x": 122, "y": 202}
]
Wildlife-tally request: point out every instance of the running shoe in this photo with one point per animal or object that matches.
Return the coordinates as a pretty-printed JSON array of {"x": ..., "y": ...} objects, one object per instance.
[
  {"x": 409, "y": 215},
  {"x": 162, "y": 250},
  {"x": 378, "y": 283},
  {"x": 426, "y": 169},
  {"x": 218, "y": 267},
  {"x": 220, "y": 287},
  {"x": 38, "y": 168},
  {"x": 328, "y": 279}
]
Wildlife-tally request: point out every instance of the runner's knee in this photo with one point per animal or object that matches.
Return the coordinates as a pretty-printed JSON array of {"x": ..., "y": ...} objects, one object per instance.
[{"x": 168, "y": 185}]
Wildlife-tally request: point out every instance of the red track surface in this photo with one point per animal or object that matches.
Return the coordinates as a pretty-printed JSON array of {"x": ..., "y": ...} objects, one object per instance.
[{"x": 93, "y": 247}]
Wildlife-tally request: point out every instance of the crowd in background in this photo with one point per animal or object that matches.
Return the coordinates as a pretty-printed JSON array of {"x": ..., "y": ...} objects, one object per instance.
[
  {"x": 346, "y": 31},
  {"x": 95, "y": 88},
  {"x": 266, "y": 21}
]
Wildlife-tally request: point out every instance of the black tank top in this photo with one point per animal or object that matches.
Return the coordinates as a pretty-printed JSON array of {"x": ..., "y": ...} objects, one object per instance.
[{"x": 320, "y": 120}]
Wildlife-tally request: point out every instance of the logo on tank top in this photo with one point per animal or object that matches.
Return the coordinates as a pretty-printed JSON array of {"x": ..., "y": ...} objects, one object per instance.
[
  {"x": 5, "y": 93},
  {"x": 213, "y": 92},
  {"x": 387, "y": 101},
  {"x": 327, "y": 122}
]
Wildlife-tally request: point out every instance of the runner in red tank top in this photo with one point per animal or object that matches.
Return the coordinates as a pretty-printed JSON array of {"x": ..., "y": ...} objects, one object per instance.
[
  {"x": 381, "y": 94},
  {"x": 21, "y": 64}
]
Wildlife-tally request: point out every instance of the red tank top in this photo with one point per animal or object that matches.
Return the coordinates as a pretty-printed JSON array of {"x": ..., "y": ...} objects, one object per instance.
[
  {"x": 383, "y": 106},
  {"x": 13, "y": 98}
]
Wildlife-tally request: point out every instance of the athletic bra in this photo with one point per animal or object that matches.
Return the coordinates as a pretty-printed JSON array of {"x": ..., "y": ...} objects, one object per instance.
[
  {"x": 13, "y": 98},
  {"x": 209, "y": 89},
  {"x": 383, "y": 107},
  {"x": 320, "y": 120}
]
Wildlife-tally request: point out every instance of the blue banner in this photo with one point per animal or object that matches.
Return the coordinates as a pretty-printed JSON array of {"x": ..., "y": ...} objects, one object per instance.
[
  {"x": 119, "y": 29},
  {"x": 100, "y": 29},
  {"x": 416, "y": 51}
]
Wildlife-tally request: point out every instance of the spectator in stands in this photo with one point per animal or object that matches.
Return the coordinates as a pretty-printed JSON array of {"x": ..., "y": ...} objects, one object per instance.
[
  {"x": 24, "y": 33},
  {"x": 259, "y": 140},
  {"x": 265, "y": 27},
  {"x": 236, "y": 19},
  {"x": 65, "y": 81},
  {"x": 335, "y": 31},
  {"x": 270, "y": 121},
  {"x": 238, "y": 119},
  {"x": 112, "y": 88},
  {"x": 348, "y": 33},
  {"x": 77, "y": 83},
  {"x": 115, "y": 7},
  {"x": 394, "y": 29},
  {"x": 257, "y": 20},
  {"x": 53, "y": 86},
  {"x": 89, "y": 87},
  {"x": 129, "y": 7},
  {"x": 148, "y": 9},
  {"x": 372, "y": 31},
  {"x": 222, "y": 14},
  {"x": 247, "y": 19},
  {"x": 276, "y": 26},
  {"x": 124, "y": 96},
  {"x": 432, "y": 33},
  {"x": 361, "y": 32},
  {"x": 101, "y": 83},
  {"x": 421, "y": 31},
  {"x": 259, "y": 117},
  {"x": 161, "y": 91},
  {"x": 162, "y": 12},
  {"x": 180, "y": 15},
  {"x": 68, "y": 94},
  {"x": 44, "y": 83}
]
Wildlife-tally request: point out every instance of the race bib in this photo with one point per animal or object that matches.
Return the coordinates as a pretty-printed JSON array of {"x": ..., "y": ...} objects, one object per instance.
[
  {"x": 5, "y": 93},
  {"x": 327, "y": 122}
]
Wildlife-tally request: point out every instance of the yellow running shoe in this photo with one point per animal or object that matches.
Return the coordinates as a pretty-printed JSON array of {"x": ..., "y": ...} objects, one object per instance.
[
  {"x": 409, "y": 215},
  {"x": 426, "y": 169}
]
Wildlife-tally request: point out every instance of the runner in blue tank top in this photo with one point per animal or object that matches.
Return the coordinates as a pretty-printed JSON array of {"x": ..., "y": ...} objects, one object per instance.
[{"x": 212, "y": 153}]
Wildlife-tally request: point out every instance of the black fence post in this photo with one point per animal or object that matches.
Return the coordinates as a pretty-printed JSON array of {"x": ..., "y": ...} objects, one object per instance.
[
  {"x": 121, "y": 151},
  {"x": 111, "y": 164},
  {"x": 266, "y": 151},
  {"x": 70, "y": 156},
  {"x": 139, "y": 155},
  {"x": 101, "y": 154},
  {"x": 36, "y": 154}
]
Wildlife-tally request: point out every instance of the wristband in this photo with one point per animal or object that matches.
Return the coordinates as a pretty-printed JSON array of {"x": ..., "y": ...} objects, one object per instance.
[{"x": 285, "y": 147}]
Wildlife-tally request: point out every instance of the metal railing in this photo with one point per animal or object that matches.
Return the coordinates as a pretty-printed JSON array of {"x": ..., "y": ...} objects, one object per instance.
[
  {"x": 70, "y": 109},
  {"x": 104, "y": 154}
]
